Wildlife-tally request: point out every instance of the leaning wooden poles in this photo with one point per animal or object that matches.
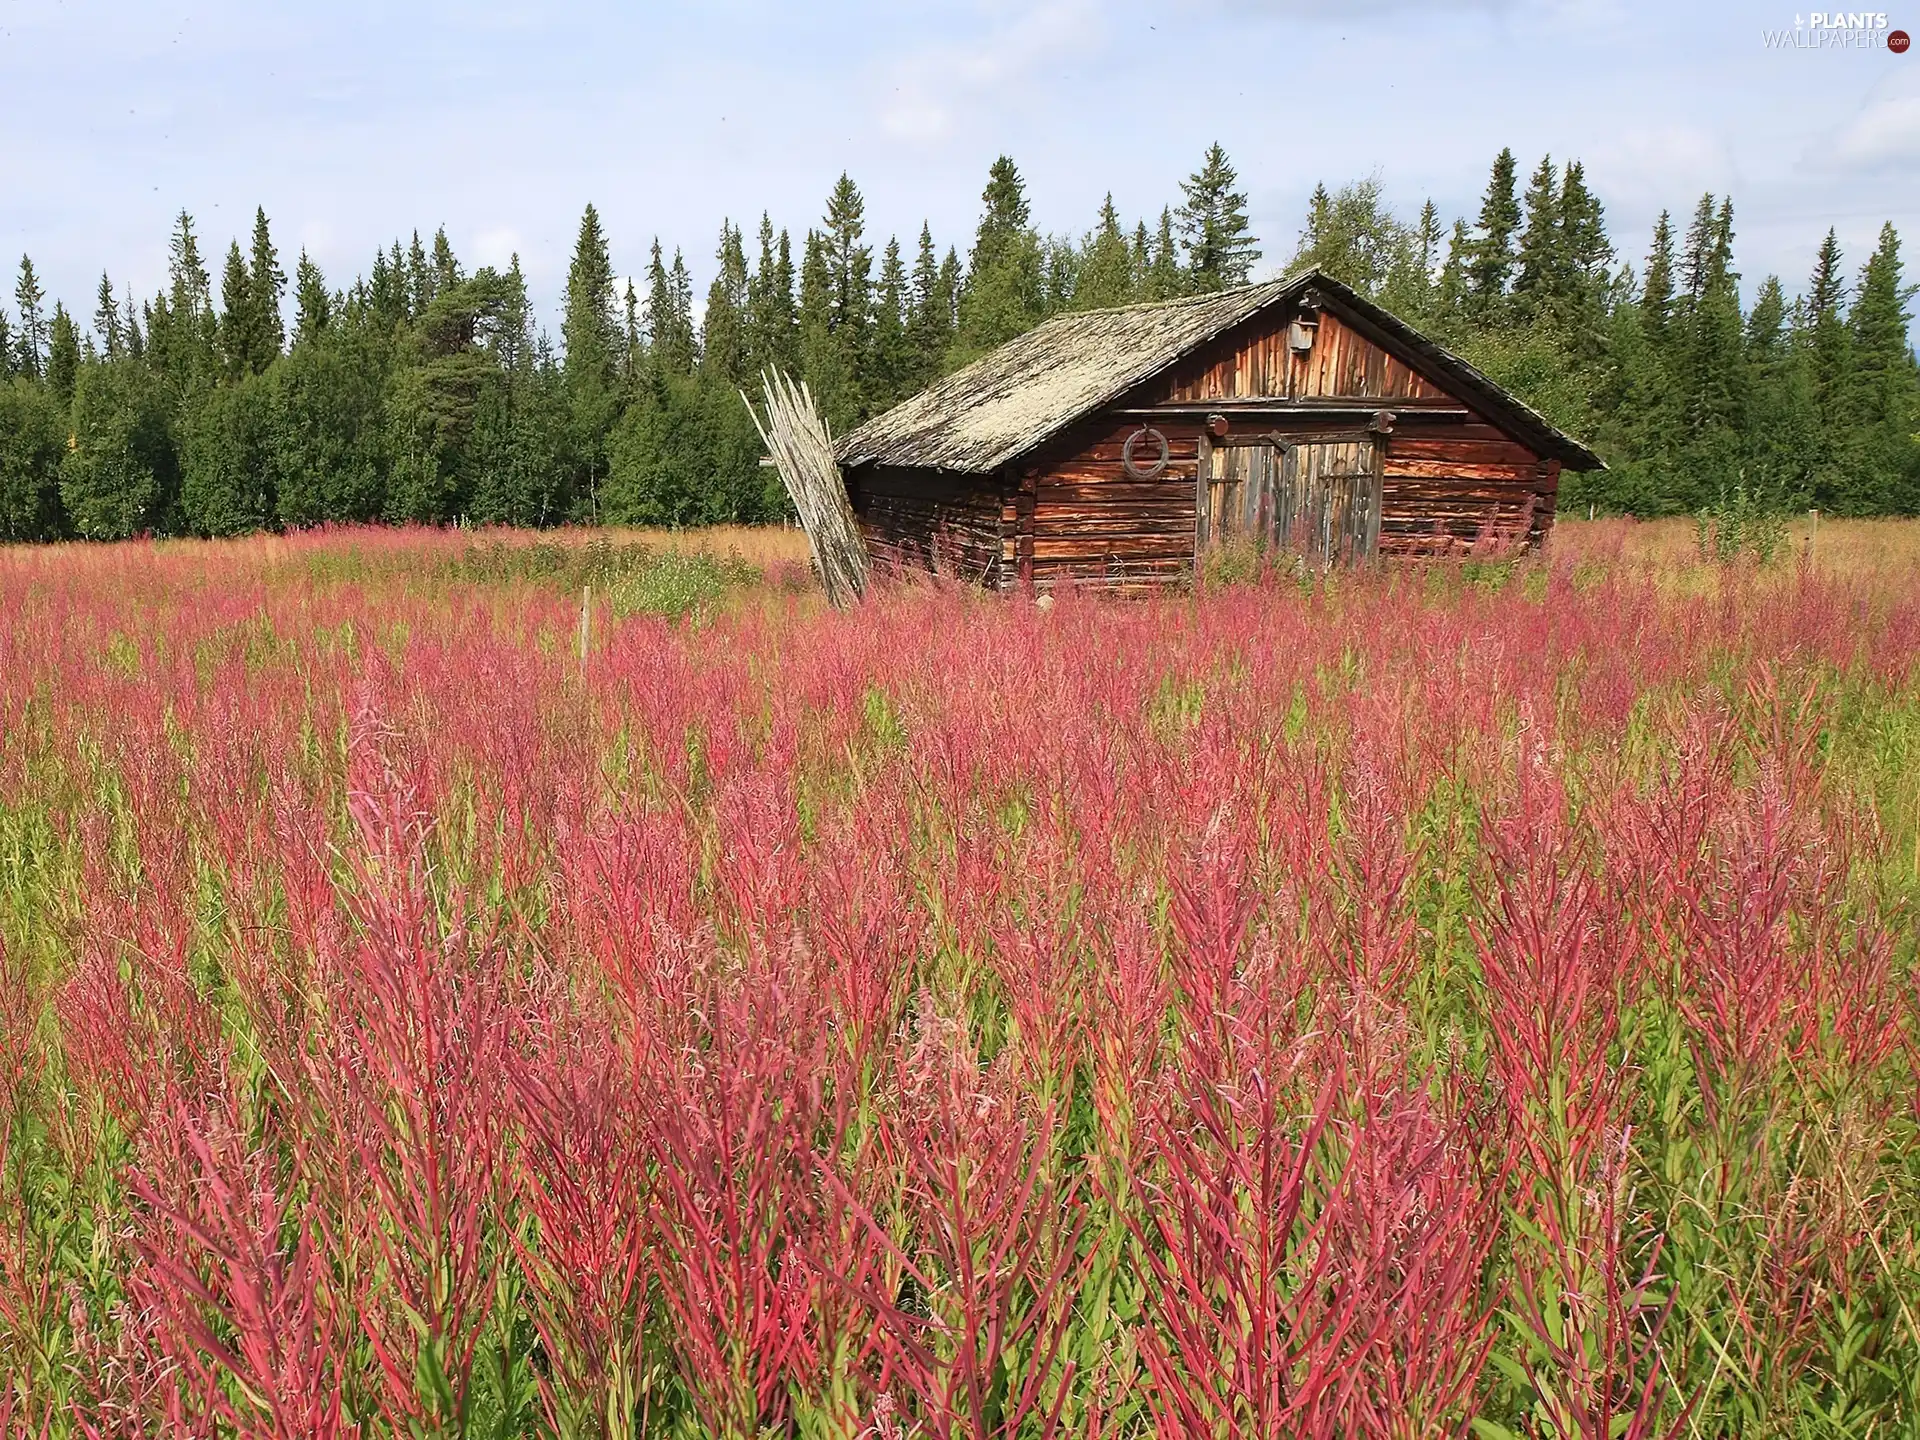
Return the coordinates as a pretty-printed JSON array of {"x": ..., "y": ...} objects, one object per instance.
[{"x": 796, "y": 437}]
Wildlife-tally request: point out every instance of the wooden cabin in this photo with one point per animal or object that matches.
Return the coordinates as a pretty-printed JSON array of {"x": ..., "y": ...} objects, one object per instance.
[{"x": 1117, "y": 446}]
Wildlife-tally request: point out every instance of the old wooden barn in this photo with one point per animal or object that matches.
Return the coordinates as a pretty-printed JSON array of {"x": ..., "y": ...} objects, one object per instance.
[{"x": 1116, "y": 446}]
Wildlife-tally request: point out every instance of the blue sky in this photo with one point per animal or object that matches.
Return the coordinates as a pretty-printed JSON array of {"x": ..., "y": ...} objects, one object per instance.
[{"x": 353, "y": 121}]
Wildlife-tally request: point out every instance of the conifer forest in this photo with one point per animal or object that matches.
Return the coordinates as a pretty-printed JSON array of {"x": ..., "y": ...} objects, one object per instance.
[{"x": 423, "y": 392}]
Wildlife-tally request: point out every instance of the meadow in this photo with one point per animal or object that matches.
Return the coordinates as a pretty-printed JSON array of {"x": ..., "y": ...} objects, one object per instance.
[{"x": 501, "y": 985}]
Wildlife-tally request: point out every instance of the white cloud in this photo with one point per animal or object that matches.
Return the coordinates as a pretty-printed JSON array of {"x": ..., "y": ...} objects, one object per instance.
[
  {"x": 497, "y": 247},
  {"x": 932, "y": 91},
  {"x": 1885, "y": 135},
  {"x": 1658, "y": 167}
]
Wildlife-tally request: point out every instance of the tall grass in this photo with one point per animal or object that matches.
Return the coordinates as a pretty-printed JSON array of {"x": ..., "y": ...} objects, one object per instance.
[{"x": 1434, "y": 1002}]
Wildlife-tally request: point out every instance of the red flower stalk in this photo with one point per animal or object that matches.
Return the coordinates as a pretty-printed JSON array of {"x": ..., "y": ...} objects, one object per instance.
[
  {"x": 990, "y": 1254},
  {"x": 1552, "y": 968},
  {"x": 410, "y": 1078},
  {"x": 1237, "y": 1339},
  {"x": 1597, "y": 1317},
  {"x": 730, "y": 1126},
  {"x": 865, "y": 931},
  {"x": 226, "y": 1282},
  {"x": 1410, "y": 1229},
  {"x": 582, "y": 1180}
]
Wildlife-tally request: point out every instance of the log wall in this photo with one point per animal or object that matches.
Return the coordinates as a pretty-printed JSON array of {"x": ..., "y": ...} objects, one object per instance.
[
  {"x": 1445, "y": 487},
  {"x": 930, "y": 520},
  {"x": 1078, "y": 516}
]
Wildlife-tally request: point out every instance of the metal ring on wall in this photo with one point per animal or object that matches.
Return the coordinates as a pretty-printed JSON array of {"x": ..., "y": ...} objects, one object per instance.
[{"x": 1137, "y": 471}]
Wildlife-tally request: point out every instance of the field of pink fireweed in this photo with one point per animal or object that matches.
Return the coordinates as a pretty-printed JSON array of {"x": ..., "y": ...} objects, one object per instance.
[{"x": 1450, "y": 1000}]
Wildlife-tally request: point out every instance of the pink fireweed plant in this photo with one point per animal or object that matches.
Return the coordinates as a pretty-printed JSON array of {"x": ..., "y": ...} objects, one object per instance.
[{"x": 1476, "y": 999}]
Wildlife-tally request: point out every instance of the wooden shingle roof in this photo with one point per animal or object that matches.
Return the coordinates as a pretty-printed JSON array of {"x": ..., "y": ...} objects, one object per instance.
[{"x": 1014, "y": 399}]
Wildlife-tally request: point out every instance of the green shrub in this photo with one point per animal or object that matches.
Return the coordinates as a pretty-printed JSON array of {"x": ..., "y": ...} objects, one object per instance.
[{"x": 1741, "y": 522}]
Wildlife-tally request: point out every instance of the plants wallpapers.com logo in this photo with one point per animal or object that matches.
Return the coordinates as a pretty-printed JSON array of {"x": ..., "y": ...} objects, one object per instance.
[{"x": 1839, "y": 30}]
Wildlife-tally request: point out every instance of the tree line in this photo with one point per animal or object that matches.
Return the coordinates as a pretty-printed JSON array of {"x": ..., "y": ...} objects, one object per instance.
[
  {"x": 425, "y": 392},
  {"x": 1690, "y": 397}
]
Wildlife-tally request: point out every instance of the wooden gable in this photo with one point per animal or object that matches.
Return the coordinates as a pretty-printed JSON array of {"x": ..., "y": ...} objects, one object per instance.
[{"x": 1259, "y": 360}]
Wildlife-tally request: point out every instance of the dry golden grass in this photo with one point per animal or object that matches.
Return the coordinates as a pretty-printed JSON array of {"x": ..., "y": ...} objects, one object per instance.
[
  {"x": 1869, "y": 549},
  {"x": 1865, "y": 548},
  {"x": 761, "y": 545}
]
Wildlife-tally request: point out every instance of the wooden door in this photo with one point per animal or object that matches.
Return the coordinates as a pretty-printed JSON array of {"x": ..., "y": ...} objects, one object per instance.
[
  {"x": 1315, "y": 495},
  {"x": 1326, "y": 507},
  {"x": 1234, "y": 481}
]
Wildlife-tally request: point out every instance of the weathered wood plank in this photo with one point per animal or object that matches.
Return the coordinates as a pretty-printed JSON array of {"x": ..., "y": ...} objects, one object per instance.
[
  {"x": 1424, "y": 445},
  {"x": 1402, "y": 467}
]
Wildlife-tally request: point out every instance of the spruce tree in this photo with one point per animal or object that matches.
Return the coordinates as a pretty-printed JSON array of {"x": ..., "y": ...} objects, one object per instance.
[
  {"x": 1003, "y": 294},
  {"x": 1060, "y": 262},
  {"x": 1106, "y": 274},
  {"x": 588, "y": 330},
  {"x": 770, "y": 306},
  {"x": 313, "y": 307},
  {"x": 106, "y": 319},
  {"x": 1710, "y": 376},
  {"x": 1165, "y": 279},
  {"x": 190, "y": 287},
  {"x": 1782, "y": 429},
  {"x": 823, "y": 361},
  {"x": 420, "y": 279},
  {"x": 1427, "y": 235},
  {"x": 951, "y": 280},
  {"x": 1409, "y": 291},
  {"x": 63, "y": 354},
  {"x": 633, "y": 340},
  {"x": 513, "y": 339},
  {"x": 659, "y": 308},
  {"x": 1450, "y": 293},
  {"x": 849, "y": 263},
  {"x": 1585, "y": 254},
  {"x": 237, "y": 322},
  {"x": 1490, "y": 264},
  {"x": 6, "y": 346},
  {"x": 135, "y": 342},
  {"x": 1214, "y": 226},
  {"x": 1539, "y": 281},
  {"x": 1825, "y": 333},
  {"x": 930, "y": 328},
  {"x": 1696, "y": 256},
  {"x": 267, "y": 284},
  {"x": 30, "y": 349},
  {"x": 724, "y": 325},
  {"x": 1656, "y": 291},
  {"x": 686, "y": 340},
  {"x": 388, "y": 290},
  {"x": 182, "y": 328},
  {"x": 669, "y": 322},
  {"x": 1883, "y": 390},
  {"x": 1140, "y": 259},
  {"x": 446, "y": 269},
  {"x": 891, "y": 365}
]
